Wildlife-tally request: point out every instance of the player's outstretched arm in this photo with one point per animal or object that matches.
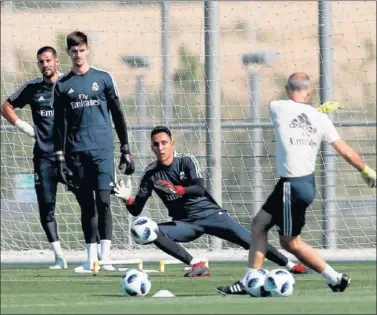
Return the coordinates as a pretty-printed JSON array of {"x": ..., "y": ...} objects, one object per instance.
[
  {"x": 124, "y": 191},
  {"x": 195, "y": 189},
  {"x": 192, "y": 184},
  {"x": 353, "y": 158},
  {"x": 8, "y": 112}
]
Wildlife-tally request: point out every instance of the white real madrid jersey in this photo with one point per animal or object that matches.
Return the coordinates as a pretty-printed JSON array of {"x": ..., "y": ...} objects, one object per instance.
[{"x": 299, "y": 131}]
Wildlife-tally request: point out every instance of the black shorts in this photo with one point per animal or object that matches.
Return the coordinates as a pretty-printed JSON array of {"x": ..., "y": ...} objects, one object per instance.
[
  {"x": 93, "y": 169},
  {"x": 45, "y": 178},
  {"x": 288, "y": 202}
]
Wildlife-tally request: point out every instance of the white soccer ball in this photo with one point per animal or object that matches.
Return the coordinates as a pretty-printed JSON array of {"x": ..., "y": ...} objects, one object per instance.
[
  {"x": 135, "y": 283},
  {"x": 254, "y": 283},
  {"x": 279, "y": 282},
  {"x": 144, "y": 230}
]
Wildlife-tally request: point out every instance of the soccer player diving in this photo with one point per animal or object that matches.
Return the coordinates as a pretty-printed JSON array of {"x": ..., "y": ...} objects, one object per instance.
[{"x": 178, "y": 182}]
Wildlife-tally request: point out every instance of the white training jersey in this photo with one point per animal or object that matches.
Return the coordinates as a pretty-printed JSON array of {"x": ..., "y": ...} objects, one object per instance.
[{"x": 299, "y": 131}]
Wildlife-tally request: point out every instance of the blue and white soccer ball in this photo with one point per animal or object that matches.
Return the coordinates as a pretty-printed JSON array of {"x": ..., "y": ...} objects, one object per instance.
[
  {"x": 135, "y": 283},
  {"x": 279, "y": 282},
  {"x": 144, "y": 230},
  {"x": 254, "y": 283}
]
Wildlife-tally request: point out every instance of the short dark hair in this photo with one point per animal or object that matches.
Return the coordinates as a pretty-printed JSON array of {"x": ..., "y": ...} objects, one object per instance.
[
  {"x": 47, "y": 48},
  {"x": 76, "y": 38},
  {"x": 159, "y": 129}
]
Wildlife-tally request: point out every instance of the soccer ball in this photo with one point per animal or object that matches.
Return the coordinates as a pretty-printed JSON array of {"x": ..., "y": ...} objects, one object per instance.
[
  {"x": 279, "y": 282},
  {"x": 135, "y": 283},
  {"x": 144, "y": 230},
  {"x": 254, "y": 283}
]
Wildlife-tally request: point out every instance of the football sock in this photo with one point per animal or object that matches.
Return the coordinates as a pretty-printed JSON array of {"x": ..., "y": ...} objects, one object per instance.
[
  {"x": 289, "y": 265},
  {"x": 331, "y": 275},
  {"x": 57, "y": 249},
  {"x": 92, "y": 251},
  {"x": 105, "y": 249}
]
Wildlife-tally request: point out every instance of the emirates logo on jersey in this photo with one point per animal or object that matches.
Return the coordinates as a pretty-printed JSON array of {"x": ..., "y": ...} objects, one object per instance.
[{"x": 308, "y": 130}]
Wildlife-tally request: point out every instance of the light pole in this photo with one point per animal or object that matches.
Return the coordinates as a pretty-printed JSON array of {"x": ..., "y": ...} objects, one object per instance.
[
  {"x": 251, "y": 61},
  {"x": 139, "y": 62}
]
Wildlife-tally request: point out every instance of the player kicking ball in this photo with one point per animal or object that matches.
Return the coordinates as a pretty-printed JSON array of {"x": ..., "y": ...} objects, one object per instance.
[
  {"x": 299, "y": 130},
  {"x": 178, "y": 182}
]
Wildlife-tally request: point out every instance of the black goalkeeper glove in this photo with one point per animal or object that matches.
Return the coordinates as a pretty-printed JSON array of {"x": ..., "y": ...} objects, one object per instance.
[
  {"x": 126, "y": 164},
  {"x": 64, "y": 173}
]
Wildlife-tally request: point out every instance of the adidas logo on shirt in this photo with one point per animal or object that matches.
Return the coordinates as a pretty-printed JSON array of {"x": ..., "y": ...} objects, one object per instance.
[
  {"x": 302, "y": 121},
  {"x": 41, "y": 98},
  {"x": 71, "y": 91}
]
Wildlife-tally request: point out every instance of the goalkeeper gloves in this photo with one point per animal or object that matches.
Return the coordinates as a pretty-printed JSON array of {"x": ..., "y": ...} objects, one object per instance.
[
  {"x": 329, "y": 106},
  {"x": 25, "y": 127},
  {"x": 369, "y": 176},
  {"x": 123, "y": 191},
  {"x": 127, "y": 164},
  {"x": 169, "y": 188},
  {"x": 64, "y": 173}
]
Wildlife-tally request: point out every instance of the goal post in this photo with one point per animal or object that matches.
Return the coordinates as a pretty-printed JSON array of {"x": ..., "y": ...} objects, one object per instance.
[{"x": 117, "y": 29}]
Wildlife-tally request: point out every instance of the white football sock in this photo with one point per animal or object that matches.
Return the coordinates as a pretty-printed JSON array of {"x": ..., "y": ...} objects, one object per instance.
[
  {"x": 91, "y": 250},
  {"x": 331, "y": 275},
  {"x": 105, "y": 249},
  {"x": 57, "y": 249},
  {"x": 289, "y": 265}
]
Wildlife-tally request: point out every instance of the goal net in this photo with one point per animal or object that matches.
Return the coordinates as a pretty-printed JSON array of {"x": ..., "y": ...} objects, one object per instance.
[{"x": 118, "y": 30}]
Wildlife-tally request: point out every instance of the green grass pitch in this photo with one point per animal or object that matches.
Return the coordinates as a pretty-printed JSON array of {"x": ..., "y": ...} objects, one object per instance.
[{"x": 32, "y": 289}]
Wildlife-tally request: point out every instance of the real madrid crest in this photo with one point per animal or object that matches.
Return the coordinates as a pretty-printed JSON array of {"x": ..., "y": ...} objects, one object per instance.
[
  {"x": 182, "y": 176},
  {"x": 95, "y": 87}
]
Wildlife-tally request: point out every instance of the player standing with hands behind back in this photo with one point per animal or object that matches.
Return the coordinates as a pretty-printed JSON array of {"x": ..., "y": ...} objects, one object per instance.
[{"x": 83, "y": 100}]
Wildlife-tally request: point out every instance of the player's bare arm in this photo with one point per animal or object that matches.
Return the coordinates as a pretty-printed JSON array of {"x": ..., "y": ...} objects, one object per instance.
[{"x": 354, "y": 159}]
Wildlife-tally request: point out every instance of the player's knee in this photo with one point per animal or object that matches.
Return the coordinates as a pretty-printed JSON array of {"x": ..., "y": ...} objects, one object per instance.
[
  {"x": 47, "y": 212},
  {"x": 103, "y": 200},
  {"x": 290, "y": 244},
  {"x": 256, "y": 227}
]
